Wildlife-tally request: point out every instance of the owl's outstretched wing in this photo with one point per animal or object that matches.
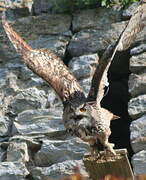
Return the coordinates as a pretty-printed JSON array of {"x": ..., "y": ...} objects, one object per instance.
[
  {"x": 48, "y": 66},
  {"x": 134, "y": 26}
]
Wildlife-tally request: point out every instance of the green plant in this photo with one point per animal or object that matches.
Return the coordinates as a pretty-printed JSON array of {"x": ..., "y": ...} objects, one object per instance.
[
  {"x": 123, "y": 3},
  {"x": 127, "y": 2},
  {"x": 106, "y": 3},
  {"x": 71, "y": 5}
]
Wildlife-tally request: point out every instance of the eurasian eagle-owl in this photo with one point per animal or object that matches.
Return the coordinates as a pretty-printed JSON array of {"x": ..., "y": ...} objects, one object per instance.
[{"x": 82, "y": 116}]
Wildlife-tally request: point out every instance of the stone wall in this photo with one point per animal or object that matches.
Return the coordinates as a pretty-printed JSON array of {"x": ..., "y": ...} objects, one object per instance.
[
  {"x": 33, "y": 140},
  {"x": 137, "y": 110}
]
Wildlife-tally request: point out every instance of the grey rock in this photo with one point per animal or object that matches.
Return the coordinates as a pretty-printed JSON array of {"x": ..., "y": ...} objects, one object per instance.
[
  {"x": 41, "y": 121},
  {"x": 48, "y": 24},
  {"x": 33, "y": 141},
  {"x": 139, "y": 163},
  {"x": 55, "y": 151},
  {"x": 53, "y": 100},
  {"x": 58, "y": 6},
  {"x": 51, "y": 24},
  {"x": 127, "y": 13},
  {"x": 12, "y": 81},
  {"x": 138, "y": 134},
  {"x": 46, "y": 31},
  {"x": 138, "y": 49},
  {"x": 1, "y": 103},
  {"x": 17, "y": 151},
  {"x": 31, "y": 98},
  {"x": 86, "y": 84},
  {"x": 141, "y": 39},
  {"x": 25, "y": 78},
  {"x": 2, "y": 154},
  {"x": 93, "y": 40},
  {"x": 137, "y": 106},
  {"x": 43, "y": 6},
  {"x": 50, "y": 6},
  {"x": 58, "y": 170},
  {"x": 3, "y": 55},
  {"x": 3, "y": 74},
  {"x": 4, "y": 139},
  {"x": 19, "y": 68},
  {"x": 5, "y": 100},
  {"x": 7, "y": 49},
  {"x": 138, "y": 63},
  {"x": 13, "y": 170},
  {"x": 100, "y": 18},
  {"x": 8, "y": 81},
  {"x": 55, "y": 43},
  {"x": 5, "y": 124},
  {"x": 137, "y": 84},
  {"x": 84, "y": 66}
]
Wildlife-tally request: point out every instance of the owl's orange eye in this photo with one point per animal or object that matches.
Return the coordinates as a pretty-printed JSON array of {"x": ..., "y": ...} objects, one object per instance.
[{"x": 83, "y": 110}]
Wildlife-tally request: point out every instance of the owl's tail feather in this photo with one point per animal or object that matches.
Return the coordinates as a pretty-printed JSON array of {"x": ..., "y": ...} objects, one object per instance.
[{"x": 20, "y": 45}]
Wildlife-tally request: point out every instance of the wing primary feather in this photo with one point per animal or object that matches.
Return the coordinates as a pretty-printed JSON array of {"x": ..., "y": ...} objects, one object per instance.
[
  {"x": 19, "y": 44},
  {"x": 134, "y": 26}
]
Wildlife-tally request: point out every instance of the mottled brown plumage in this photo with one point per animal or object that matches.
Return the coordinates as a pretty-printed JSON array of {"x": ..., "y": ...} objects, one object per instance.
[{"x": 83, "y": 117}]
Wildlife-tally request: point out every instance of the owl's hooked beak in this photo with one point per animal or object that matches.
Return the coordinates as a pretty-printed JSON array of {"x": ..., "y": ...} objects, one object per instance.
[{"x": 115, "y": 117}]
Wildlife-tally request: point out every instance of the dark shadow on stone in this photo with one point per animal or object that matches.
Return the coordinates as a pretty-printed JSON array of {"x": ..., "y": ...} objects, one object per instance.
[{"x": 117, "y": 99}]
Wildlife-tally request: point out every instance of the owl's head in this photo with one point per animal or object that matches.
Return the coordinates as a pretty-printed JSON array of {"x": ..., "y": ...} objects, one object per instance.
[{"x": 78, "y": 120}]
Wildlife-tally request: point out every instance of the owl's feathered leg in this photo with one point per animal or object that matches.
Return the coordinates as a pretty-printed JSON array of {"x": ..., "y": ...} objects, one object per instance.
[
  {"x": 104, "y": 140},
  {"x": 94, "y": 148},
  {"x": 108, "y": 147},
  {"x": 95, "y": 151}
]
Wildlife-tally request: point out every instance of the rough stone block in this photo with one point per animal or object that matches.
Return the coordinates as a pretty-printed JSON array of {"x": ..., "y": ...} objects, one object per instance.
[
  {"x": 91, "y": 40},
  {"x": 139, "y": 163},
  {"x": 31, "y": 98},
  {"x": 84, "y": 66},
  {"x": 5, "y": 124},
  {"x": 137, "y": 84},
  {"x": 17, "y": 151},
  {"x": 13, "y": 170},
  {"x": 99, "y": 18},
  {"x": 138, "y": 63},
  {"x": 137, "y": 106},
  {"x": 55, "y": 151},
  {"x": 138, "y": 134},
  {"x": 58, "y": 170},
  {"x": 41, "y": 121}
]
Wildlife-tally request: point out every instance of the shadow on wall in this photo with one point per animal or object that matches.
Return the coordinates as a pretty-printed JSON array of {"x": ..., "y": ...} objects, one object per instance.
[{"x": 117, "y": 99}]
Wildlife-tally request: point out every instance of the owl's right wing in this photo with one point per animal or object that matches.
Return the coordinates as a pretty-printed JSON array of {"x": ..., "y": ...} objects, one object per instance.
[
  {"x": 47, "y": 65},
  {"x": 134, "y": 26}
]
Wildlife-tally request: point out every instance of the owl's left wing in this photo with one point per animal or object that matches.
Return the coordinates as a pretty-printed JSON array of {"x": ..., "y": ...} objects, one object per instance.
[{"x": 134, "y": 26}]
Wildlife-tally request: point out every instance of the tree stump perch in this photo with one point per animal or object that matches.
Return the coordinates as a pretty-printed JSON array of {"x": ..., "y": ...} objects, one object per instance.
[{"x": 117, "y": 165}]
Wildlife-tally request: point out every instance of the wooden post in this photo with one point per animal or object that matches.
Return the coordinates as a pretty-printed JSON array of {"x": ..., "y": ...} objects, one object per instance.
[{"x": 117, "y": 165}]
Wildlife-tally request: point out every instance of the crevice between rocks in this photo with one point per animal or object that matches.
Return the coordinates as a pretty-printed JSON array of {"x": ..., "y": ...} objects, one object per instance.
[
  {"x": 117, "y": 100},
  {"x": 31, "y": 163},
  {"x": 67, "y": 55}
]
